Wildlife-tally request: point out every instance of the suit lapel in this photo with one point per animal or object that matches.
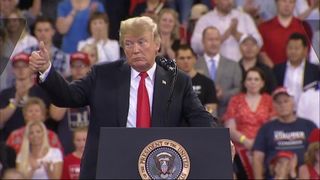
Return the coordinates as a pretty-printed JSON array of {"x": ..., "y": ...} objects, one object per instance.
[
  {"x": 220, "y": 70},
  {"x": 123, "y": 93},
  {"x": 161, "y": 91}
]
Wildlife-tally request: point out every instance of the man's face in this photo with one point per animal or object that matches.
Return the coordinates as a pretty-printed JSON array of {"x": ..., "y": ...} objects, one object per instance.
[
  {"x": 286, "y": 7},
  {"x": 296, "y": 52},
  {"x": 44, "y": 32},
  {"x": 185, "y": 60},
  {"x": 140, "y": 50},
  {"x": 224, "y": 6},
  {"x": 79, "y": 70},
  {"x": 98, "y": 26},
  {"x": 284, "y": 105},
  {"x": 21, "y": 70},
  {"x": 249, "y": 49},
  {"x": 211, "y": 42},
  {"x": 7, "y": 6}
]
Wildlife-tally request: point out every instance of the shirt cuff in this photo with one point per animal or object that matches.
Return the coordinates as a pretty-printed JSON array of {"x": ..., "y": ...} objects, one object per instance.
[{"x": 43, "y": 76}]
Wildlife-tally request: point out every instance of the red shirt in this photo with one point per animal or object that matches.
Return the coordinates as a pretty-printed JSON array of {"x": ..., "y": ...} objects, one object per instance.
[
  {"x": 15, "y": 139},
  {"x": 275, "y": 37},
  {"x": 71, "y": 167},
  {"x": 313, "y": 173},
  {"x": 247, "y": 121}
]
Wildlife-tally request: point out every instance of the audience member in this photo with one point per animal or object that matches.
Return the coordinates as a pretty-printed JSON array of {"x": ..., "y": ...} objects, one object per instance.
[
  {"x": 168, "y": 25},
  {"x": 283, "y": 165},
  {"x": 92, "y": 52},
  {"x": 310, "y": 98},
  {"x": 250, "y": 49},
  {"x": 149, "y": 8},
  {"x": 246, "y": 113},
  {"x": 197, "y": 11},
  {"x": 108, "y": 49},
  {"x": 3, "y": 61},
  {"x": 276, "y": 32},
  {"x": 17, "y": 40},
  {"x": 203, "y": 86},
  {"x": 6, "y": 7},
  {"x": 37, "y": 159},
  {"x": 7, "y": 158},
  {"x": 73, "y": 18},
  {"x": 72, "y": 118},
  {"x": 286, "y": 133},
  {"x": 71, "y": 163},
  {"x": 33, "y": 110},
  {"x": 296, "y": 72},
  {"x": 311, "y": 168},
  {"x": 224, "y": 72},
  {"x": 13, "y": 174},
  {"x": 44, "y": 31},
  {"x": 231, "y": 23},
  {"x": 14, "y": 98}
]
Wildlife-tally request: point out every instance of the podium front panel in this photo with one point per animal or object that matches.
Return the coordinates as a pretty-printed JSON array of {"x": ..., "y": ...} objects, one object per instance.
[{"x": 208, "y": 150}]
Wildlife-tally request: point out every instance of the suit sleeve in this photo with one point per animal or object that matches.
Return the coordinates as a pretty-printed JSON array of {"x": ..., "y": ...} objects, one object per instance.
[
  {"x": 64, "y": 94},
  {"x": 193, "y": 111}
]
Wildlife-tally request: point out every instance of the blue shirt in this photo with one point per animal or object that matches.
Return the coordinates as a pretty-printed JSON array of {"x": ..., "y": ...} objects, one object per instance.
[
  {"x": 276, "y": 136},
  {"x": 78, "y": 30}
]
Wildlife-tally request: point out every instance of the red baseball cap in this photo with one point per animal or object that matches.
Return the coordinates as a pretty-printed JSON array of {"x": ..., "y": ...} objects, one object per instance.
[
  {"x": 80, "y": 56},
  {"x": 21, "y": 57},
  {"x": 314, "y": 136},
  {"x": 282, "y": 154},
  {"x": 280, "y": 90}
]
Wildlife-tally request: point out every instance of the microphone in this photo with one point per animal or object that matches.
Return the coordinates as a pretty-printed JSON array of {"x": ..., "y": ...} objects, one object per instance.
[
  {"x": 167, "y": 64},
  {"x": 171, "y": 66}
]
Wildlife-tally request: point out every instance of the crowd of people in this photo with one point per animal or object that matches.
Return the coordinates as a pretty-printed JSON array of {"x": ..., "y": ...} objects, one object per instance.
[{"x": 253, "y": 64}]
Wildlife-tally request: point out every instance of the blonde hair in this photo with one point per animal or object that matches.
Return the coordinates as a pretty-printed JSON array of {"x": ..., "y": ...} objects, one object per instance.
[
  {"x": 137, "y": 26},
  {"x": 35, "y": 101},
  {"x": 79, "y": 129},
  {"x": 25, "y": 150},
  {"x": 91, "y": 48},
  {"x": 309, "y": 156},
  {"x": 19, "y": 14},
  {"x": 175, "y": 32}
]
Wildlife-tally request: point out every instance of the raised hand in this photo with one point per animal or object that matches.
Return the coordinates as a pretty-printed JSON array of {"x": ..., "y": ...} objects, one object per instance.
[{"x": 40, "y": 60}]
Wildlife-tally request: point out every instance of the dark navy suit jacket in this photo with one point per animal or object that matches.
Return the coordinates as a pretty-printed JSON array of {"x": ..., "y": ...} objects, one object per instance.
[{"x": 106, "y": 90}]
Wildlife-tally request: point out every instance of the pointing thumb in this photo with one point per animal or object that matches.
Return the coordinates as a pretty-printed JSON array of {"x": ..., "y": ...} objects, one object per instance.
[{"x": 42, "y": 48}]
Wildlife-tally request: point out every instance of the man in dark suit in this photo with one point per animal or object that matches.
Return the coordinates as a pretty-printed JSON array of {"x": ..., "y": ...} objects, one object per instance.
[
  {"x": 296, "y": 72},
  {"x": 113, "y": 91}
]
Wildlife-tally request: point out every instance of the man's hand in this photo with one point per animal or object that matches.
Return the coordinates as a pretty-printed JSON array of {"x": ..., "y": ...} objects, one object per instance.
[{"x": 40, "y": 60}]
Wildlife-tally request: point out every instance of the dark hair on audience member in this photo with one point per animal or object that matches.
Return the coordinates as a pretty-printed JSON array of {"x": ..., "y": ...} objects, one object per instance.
[
  {"x": 43, "y": 19},
  {"x": 262, "y": 76},
  {"x": 185, "y": 47},
  {"x": 97, "y": 15},
  {"x": 299, "y": 36},
  {"x": 207, "y": 28}
]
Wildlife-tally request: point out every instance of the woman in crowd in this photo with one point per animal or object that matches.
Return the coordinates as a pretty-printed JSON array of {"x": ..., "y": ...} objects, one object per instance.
[
  {"x": 33, "y": 110},
  {"x": 37, "y": 159},
  {"x": 246, "y": 113},
  {"x": 108, "y": 49},
  {"x": 92, "y": 52},
  {"x": 311, "y": 168},
  {"x": 168, "y": 25},
  {"x": 72, "y": 18}
]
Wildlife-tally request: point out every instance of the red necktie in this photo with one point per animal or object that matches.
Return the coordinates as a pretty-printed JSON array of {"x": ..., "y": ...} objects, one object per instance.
[{"x": 143, "y": 107}]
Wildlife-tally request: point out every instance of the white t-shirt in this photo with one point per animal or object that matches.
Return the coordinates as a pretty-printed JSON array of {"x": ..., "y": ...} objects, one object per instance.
[
  {"x": 54, "y": 155},
  {"x": 309, "y": 105}
]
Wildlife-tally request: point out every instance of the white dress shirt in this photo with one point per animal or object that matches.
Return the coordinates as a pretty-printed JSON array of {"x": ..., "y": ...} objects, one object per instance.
[
  {"x": 230, "y": 47},
  {"x": 309, "y": 105},
  {"x": 293, "y": 79},
  {"x": 208, "y": 60},
  {"x": 134, "y": 84}
]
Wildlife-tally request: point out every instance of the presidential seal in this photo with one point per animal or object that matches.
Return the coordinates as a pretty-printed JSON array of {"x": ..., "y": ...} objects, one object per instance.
[{"x": 164, "y": 159}]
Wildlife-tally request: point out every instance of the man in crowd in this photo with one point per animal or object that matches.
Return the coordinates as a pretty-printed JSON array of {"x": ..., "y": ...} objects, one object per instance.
[
  {"x": 224, "y": 72},
  {"x": 286, "y": 133},
  {"x": 202, "y": 85}
]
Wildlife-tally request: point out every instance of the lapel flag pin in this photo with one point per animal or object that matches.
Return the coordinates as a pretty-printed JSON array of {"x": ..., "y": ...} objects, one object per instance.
[{"x": 164, "y": 82}]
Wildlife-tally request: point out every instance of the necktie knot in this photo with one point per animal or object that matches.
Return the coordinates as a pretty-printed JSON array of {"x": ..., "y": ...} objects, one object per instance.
[{"x": 143, "y": 75}]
